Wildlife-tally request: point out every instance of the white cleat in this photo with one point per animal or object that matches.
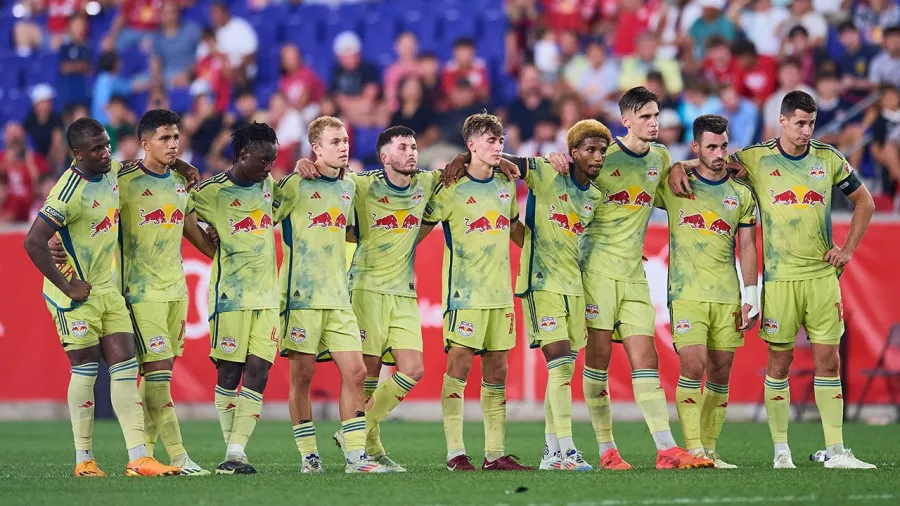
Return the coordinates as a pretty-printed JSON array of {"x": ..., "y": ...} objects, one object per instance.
[
  {"x": 720, "y": 464},
  {"x": 312, "y": 464},
  {"x": 338, "y": 439},
  {"x": 551, "y": 462},
  {"x": 846, "y": 460},
  {"x": 386, "y": 462},
  {"x": 190, "y": 468},
  {"x": 364, "y": 465},
  {"x": 783, "y": 461},
  {"x": 574, "y": 462}
]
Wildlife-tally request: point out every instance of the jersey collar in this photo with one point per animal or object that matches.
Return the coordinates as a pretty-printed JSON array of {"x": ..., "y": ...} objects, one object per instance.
[
  {"x": 231, "y": 178},
  {"x": 473, "y": 178},
  {"x": 710, "y": 181},
  {"x": 630, "y": 152},
  {"x": 154, "y": 174},
  {"x": 392, "y": 186},
  {"x": 84, "y": 176},
  {"x": 575, "y": 181},
  {"x": 789, "y": 157}
]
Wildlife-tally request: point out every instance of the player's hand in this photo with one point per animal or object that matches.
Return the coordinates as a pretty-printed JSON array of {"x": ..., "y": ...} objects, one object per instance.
[
  {"x": 838, "y": 257},
  {"x": 306, "y": 168},
  {"x": 455, "y": 169},
  {"x": 188, "y": 172},
  {"x": 560, "y": 162},
  {"x": 213, "y": 235},
  {"x": 736, "y": 169},
  {"x": 509, "y": 169},
  {"x": 78, "y": 290},
  {"x": 57, "y": 251},
  {"x": 678, "y": 180},
  {"x": 748, "y": 319}
]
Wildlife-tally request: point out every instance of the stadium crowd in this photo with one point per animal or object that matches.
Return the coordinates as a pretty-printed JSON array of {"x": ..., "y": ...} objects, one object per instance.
[{"x": 542, "y": 65}]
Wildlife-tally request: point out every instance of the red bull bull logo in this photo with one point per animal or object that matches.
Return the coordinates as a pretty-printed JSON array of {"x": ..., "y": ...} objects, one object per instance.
[
  {"x": 787, "y": 197},
  {"x": 78, "y": 328},
  {"x": 102, "y": 227},
  {"x": 560, "y": 219},
  {"x": 504, "y": 195},
  {"x": 266, "y": 222},
  {"x": 298, "y": 335},
  {"x": 817, "y": 172},
  {"x": 341, "y": 221},
  {"x": 177, "y": 217},
  {"x": 643, "y": 199},
  {"x": 228, "y": 345},
  {"x": 720, "y": 227},
  {"x": 548, "y": 324},
  {"x": 812, "y": 197},
  {"x": 591, "y": 312},
  {"x": 619, "y": 198},
  {"x": 730, "y": 202},
  {"x": 770, "y": 325},
  {"x": 482, "y": 224},
  {"x": 244, "y": 225},
  {"x": 682, "y": 326},
  {"x": 692, "y": 220},
  {"x": 578, "y": 228},
  {"x": 155, "y": 217},
  {"x": 411, "y": 222},
  {"x": 502, "y": 223},
  {"x": 157, "y": 344},
  {"x": 466, "y": 329},
  {"x": 320, "y": 220},
  {"x": 386, "y": 222},
  {"x": 653, "y": 173}
]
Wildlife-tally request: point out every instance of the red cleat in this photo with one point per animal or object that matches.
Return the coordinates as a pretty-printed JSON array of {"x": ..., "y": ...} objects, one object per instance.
[
  {"x": 460, "y": 463},
  {"x": 679, "y": 458},
  {"x": 505, "y": 463},
  {"x": 613, "y": 461}
]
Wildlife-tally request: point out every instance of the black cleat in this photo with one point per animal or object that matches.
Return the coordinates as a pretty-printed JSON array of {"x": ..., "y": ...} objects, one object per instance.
[{"x": 235, "y": 467}]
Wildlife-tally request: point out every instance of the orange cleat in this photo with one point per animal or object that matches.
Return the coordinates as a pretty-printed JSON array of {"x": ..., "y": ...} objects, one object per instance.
[
  {"x": 148, "y": 466},
  {"x": 679, "y": 458},
  {"x": 613, "y": 461},
  {"x": 88, "y": 469}
]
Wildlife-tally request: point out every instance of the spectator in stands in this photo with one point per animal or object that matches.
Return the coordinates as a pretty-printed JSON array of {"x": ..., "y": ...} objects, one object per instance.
[
  {"x": 75, "y": 64},
  {"x": 574, "y": 16},
  {"x": 120, "y": 120},
  {"x": 761, "y": 24},
  {"x": 672, "y": 22},
  {"x": 19, "y": 170},
  {"x": 632, "y": 19},
  {"x": 569, "y": 109},
  {"x": 529, "y": 104},
  {"x": 212, "y": 71},
  {"x": 129, "y": 148},
  {"x": 873, "y": 17},
  {"x": 834, "y": 123},
  {"x": 135, "y": 23},
  {"x": 430, "y": 74},
  {"x": 44, "y": 126},
  {"x": 712, "y": 21},
  {"x": 657, "y": 84},
  {"x": 547, "y": 56},
  {"x": 299, "y": 83},
  {"x": 569, "y": 48},
  {"x": 756, "y": 76},
  {"x": 354, "y": 82},
  {"x": 407, "y": 48},
  {"x": 203, "y": 125},
  {"x": 719, "y": 66},
  {"x": 698, "y": 100},
  {"x": 803, "y": 13},
  {"x": 236, "y": 39},
  {"x": 45, "y": 183},
  {"x": 594, "y": 76},
  {"x": 544, "y": 139},
  {"x": 463, "y": 103},
  {"x": 290, "y": 128},
  {"x": 886, "y": 138},
  {"x": 853, "y": 64},
  {"x": 174, "y": 47},
  {"x": 790, "y": 78},
  {"x": 414, "y": 112},
  {"x": 522, "y": 16},
  {"x": 465, "y": 64},
  {"x": 107, "y": 83},
  {"x": 885, "y": 68},
  {"x": 742, "y": 114},
  {"x": 28, "y": 36},
  {"x": 634, "y": 69},
  {"x": 671, "y": 134},
  {"x": 798, "y": 45}
]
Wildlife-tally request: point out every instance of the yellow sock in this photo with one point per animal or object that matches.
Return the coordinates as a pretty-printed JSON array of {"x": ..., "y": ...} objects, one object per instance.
[
  {"x": 354, "y": 431},
  {"x": 226, "y": 401},
  {"x": 830, "y": 401},
  {"x": 687, "y": 400},
  {"x": 158, "y": 401},
  {"x": 493, "y": 411},
  {"x": 81, "y": 403},
  {"x": 596, "y": 396},
  {"x": 778, "y": 404},
  {"x": 386, "y": 397},
  {"x": 651, "y": 399},
  {"x": 305, "y": 438},
  {"x": 150, "y": 432},
  {"x": 452, "y": 393},
  {"x": 549, "y": 426},
  {"x": 373, "y": 435},
  {"x": 713, "y": 403},
  {"x": 559, "y": 381},
  {"x": 369, "y": 387},
  {"x": 126, "y": 402},
  {"x": 246, "y": 416}
]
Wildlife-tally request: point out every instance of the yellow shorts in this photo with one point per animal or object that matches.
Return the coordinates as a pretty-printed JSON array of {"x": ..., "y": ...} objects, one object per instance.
[
  {"x": 711, "y": 324},
  {"x": 319, "y": 332},
  {"x": 623, "y": 306},
  {"x": 158, "y": 329},
  {"x": 99, "y": 316},
  {"x": 386, "y": 322},
  {"x": 552, "y": 317},
  {"x": 813, "y": 303},
  {"x": 481, "y": 330},
  {"x": 236, "y": 334}
]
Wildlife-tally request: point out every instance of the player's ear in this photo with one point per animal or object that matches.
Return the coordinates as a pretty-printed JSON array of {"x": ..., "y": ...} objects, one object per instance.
[
  {"x": 470, "y": 145},
  {"x": 695, "y": 147}
]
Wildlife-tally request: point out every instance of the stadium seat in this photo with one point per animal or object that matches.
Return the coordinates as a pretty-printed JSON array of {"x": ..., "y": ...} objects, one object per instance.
[
  {"x": 268, "y": 63},
  {"x": 138, "y": 102},
  {"x": 10, "y": 77},
  {"x": 180, "y": 99},
  {"x": 887, "y": 368},
  {"x": 15, "y": 107},
  {"x": 364, "y": 140},
  {"x": 133, "y": 61},
  {"x": 456, "y": 24},
  {"x": 423, "y": 23},
  {"x": 41, "y": 69},
  {"x": 302, "y": 31}
]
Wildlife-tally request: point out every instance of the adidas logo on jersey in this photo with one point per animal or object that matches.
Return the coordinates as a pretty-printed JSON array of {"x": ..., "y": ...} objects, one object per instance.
[
  {"x": 776, "y": 173},
  {"x": 616, "y": 173},
  {"x": 384, "y": 200},
  {"x": 147, "y": 193},
  {"x": 471, "y": 200},
  {"x": 95, "y": 205},
  {"x": 235, "y": 203},
  {"x": 315, "y": 196}
]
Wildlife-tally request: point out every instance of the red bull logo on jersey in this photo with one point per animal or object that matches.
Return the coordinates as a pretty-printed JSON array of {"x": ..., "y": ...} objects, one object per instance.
[
  {"x": 770, "y": 325},
  {"x": 490, "y": 223},
  {"x": 228, "y": 345},
  {"x": 267, "y": 195},
  {"x": 165, "y": 216},
  {"x": 157, "y": 344},
  {"x": 78, "y": 328},
  {"x": 345, "y": 198},
  {"x": 569, "y": 222},
  {"x": 504, "y": 195},
  {"x": 115, "y": 188},
  {"x": 397, "y": 221},
  {"x": 417, "y": 197},
  {"x": 591, "y": 312},
  {"x": 730, "y": 202},
  {"x": 466, "y": 329},
  {"x": 588, "y": 208},
  {"x": 817, "y": 172},
  {"x": 682, "y": 326},
  {"x": 548, "y": 324},
  {"x": 257, "y": 222},
  {"x": 632, "y": 198},
  {"x": 180, "y": 191},
  {"x": 798, "y": 197},
  {"x": 298, "y": 335},
  {"x": 653, "y": 173},
  {"x": 110, "y": 222},
  {"x": 707, "y": 222},
  {"x": 332, "y": 219},
  {"x": 502, "y": 223}
]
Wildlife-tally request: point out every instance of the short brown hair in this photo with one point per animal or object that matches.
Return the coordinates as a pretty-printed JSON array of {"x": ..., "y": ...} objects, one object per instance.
[
  {"x": 314, "y": 134},
  {"x": 586, "y": 129},
  {"x": 478, "y": 124}
]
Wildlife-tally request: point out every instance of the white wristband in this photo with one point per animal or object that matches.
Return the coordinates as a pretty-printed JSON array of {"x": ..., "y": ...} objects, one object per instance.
[{"x": 751, "y": 296}]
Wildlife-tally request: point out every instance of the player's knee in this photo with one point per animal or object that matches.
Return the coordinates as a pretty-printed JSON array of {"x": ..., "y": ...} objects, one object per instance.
[
  {"x": 159, "y": 365},
  {"x": 229, "y": 375},
  {"x": 354, "y": 373},
  {"x": 496, "y": 374},
  {"x": 256, "y": 375},
  {"x": 414, "y": 371},
  {"x": 692, "y": 369},
  {"x": 301, "y": 378}
]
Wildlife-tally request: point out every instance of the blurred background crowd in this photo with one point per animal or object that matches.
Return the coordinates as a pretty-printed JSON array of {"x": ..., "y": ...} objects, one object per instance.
[{"x": 541, "y": 65}]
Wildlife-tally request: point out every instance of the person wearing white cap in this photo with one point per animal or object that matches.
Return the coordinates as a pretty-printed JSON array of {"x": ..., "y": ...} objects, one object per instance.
[
  {"x": 45, "y": 127},
  {"x": 354, "y": 81}
]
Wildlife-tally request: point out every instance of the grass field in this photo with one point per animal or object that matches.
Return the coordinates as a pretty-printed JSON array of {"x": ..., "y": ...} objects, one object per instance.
[{"x": 37, "y": 460}]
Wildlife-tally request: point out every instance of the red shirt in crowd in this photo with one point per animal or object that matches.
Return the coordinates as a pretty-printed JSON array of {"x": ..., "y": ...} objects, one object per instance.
[
  {"x": 304, "y": 80},
  {"x": 721, "y": 76},
  {"x": 59, "y": 12},
  {"x": 477, "y": 75},
  {"x": 570, "y": 15},
  {"x": 19, "y": 182},
  {"x": 141, "y": 14},
  {"x": 213, "y": 68},
  {"x": 759, "y": 81}
]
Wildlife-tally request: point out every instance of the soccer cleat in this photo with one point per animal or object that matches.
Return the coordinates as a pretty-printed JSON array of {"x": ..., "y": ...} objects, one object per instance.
[
  {"x": 551, "y": 462},
  {"x": 338, "y": 439},
  {"x": 719, "y": 463},
  {"x": 783, "y": 461},
  {"x": 190, "y": 468},
  {"x": 613, "y": 461},
  {"x": 88, "y": 469},
  {"x": 505, "y": 463},
  {"x": 387, "y": 463},
  {"x": 679, "y": 458},
  {"x": 148, "y": 466},
  {"x": 846, "y": 460},
  {"x": 460, "y": 463},
  {"x": 364, "y": 465},
  {"x": 235, "y": 466},
  {"x": 573, "y": 461},
  {"x": 312, "y": 464}
]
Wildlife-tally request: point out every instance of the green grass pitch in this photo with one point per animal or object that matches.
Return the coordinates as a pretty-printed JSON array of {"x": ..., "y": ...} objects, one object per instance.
[{"x": 36, "y": 461}]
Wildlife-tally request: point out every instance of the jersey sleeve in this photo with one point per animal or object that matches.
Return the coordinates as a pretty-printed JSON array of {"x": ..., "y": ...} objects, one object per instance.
[
  {"x": 204, "y": 199},
  {"x": 662, "y": 194},
  {"x": 287, "y": 193},
  {"x": 435, "y": 208},
  {"x": 843, "y": 176},
  {"x": 361, "y": 183},
  {"x": 513, "y": 203},
  {"x": 189, "y": 206},
  {"x": 60, "y": 208},
  {"x": 538, "y": 174},
  {"x": 748, "y": 209}
]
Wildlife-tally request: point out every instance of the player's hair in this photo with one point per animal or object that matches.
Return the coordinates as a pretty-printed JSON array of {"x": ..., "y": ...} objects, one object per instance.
[
  {"x": 82, "y": 129},
  {"x": 586, "y": 129},
  {"x": 385, "y": 138},
  {"x": 250, "y": 136},
  {"x": 318, "y": 126},
  {"x": 797, "y": 100},
  {"x": 636, "y": 98},
  {"x": 712, "y": 123},
  {"x": 482, "y": 123},
  {"x": 155, "y": 118}
]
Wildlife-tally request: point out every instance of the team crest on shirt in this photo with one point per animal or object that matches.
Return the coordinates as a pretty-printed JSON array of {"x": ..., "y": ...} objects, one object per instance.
[
  {"x": 466, "y": 329},
  {"x": 653, "y": 173},
  {"x": 770, "y": 325},
  {"x": 817, "y": 172},
  {"x": 345, "y": 198},
  {"x": 730, "y": 202},
  {"x": 157, "y": 344},
  {"x": 115, "y": 188},
  {"x": 682, "y": 326},
  {"x": 591, "y": 311},
  {"x": 228, "y": 345},
  {"x": 588, "y": 208},
  {"x": 180, "y": 191},
  {"x": 504, "y": 195},
  {"x": 267, "y": 195},
  {"x": 362, "y": 335},
  {"x": 78, "y": 328},
  {"x": 298, "y": 335},
  {"x": 417, "y": 197},
  {"x": 548, "y": 323}
]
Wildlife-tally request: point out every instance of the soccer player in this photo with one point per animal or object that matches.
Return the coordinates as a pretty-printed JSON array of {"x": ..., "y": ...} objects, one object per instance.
[
  {"x": 318, "y": 318},
  {"x": 792, "y": 177},
  {"x": 704, "y": 294},
  {"x": 243, "y": 296},
  {"x": 478, "y": 213},
  {"x": 617, "y": 295},
  {"x": 87, "y": 307}
]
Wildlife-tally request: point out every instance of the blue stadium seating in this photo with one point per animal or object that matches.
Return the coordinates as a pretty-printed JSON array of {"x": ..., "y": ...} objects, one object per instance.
[{"x": 180, "y": 100}]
